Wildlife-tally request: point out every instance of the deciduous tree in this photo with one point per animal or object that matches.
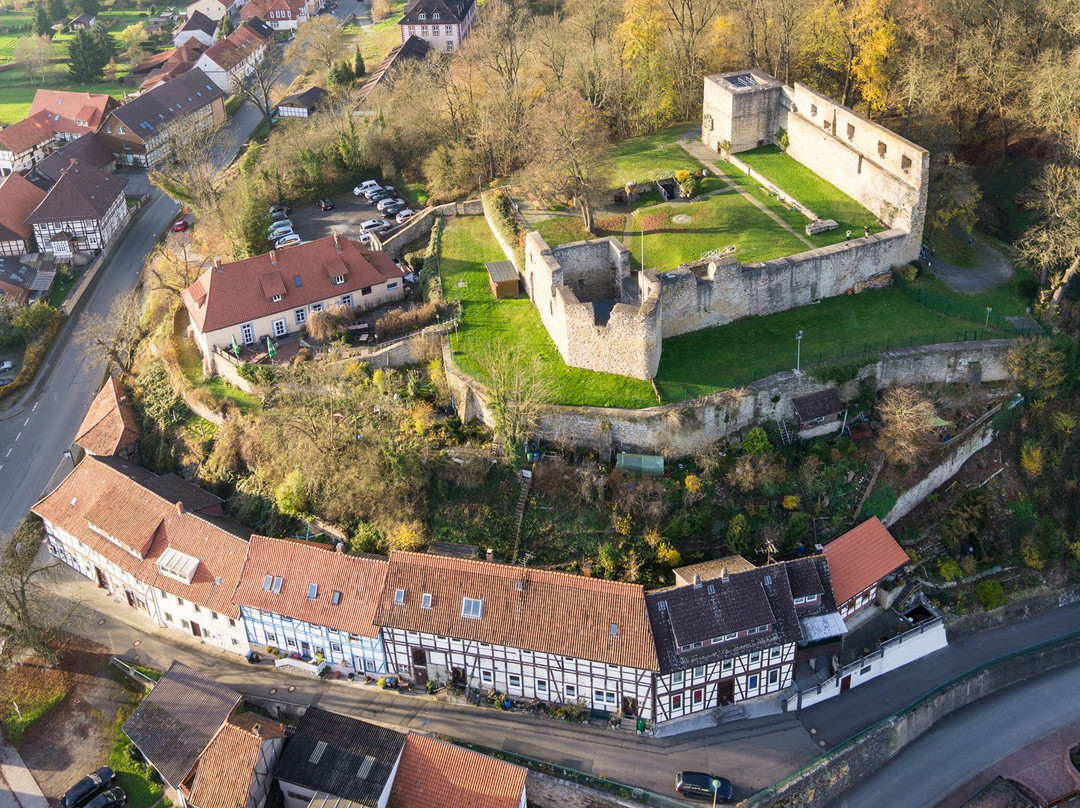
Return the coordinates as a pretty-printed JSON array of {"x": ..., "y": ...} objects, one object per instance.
[
  {"x": 260, "y": 85},
  {"x": 113, "y": 339},
  {"x": 33, "y": 53},
  {"x": 908, "y": 421},
  {"x": 318, "y": 42}
]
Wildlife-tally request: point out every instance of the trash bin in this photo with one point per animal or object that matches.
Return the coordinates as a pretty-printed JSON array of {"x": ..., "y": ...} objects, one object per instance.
[{"x": 641, "y": 725}]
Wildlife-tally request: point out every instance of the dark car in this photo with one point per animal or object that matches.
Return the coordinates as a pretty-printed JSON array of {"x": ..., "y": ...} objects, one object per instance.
[
  {"x": 326, "y": 204},
  {"x": 87, "y": 788},
  {"x": 703, "y": 785},
  {"x": 379, "y": 196},
  {"x": 5, "y": 382},
  {"x": 393, "y": 210},
  {"x": 113, "y": 798}
]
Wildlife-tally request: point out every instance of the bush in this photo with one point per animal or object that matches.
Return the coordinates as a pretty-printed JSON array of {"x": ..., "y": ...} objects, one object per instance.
[
  {"x": 841, "y": 372},
  {"x": 1027, "y": 288},
  {"x": 756, "y": 442},
  {"x": 949, "y": 569},
  {"x": 782, "y": 139},
  {"x": 32, "y": 359},
  {"x": 397, "y": 322},
  {"x": 1075, "y": 549},
  {"x": 990, "y": 594},
  {"x": 907, "y": 272},
  {"x": 879, "y": 503},
  {"x": 1031, "y": 459},
  {"x": 791, "y": 502},
  {"x": 797, "y": 526}
]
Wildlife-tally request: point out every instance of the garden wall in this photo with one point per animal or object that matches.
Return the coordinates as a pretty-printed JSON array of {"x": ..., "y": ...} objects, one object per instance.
[{"x": 417, "y": 230}]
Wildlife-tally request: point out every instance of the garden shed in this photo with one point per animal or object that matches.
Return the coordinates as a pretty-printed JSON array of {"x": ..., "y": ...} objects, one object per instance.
[
  {"x": 645, "y": 465},
  {"x": 503, "y": 278},
  {"x": 818, "y": 413}
]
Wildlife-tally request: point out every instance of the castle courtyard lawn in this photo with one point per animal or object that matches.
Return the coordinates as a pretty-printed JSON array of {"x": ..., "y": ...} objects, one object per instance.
[
  {"x": 562, "y": 229},
  {"x": 715, "y": 222},
  {"x": 649, "y": 157},
  {"x": 817, "y": 193},
  {"x": 487, "y": 324},
  {"x": 754, "y": 347}
]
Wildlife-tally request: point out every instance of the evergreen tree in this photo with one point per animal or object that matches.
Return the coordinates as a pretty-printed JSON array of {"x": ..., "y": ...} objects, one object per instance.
[
  {"x": 225, "y": 28},
  {"x": 91, "y": 7},
  {"x": 104, "y": 44},
  {"x": 85, "y": 64},
  {"x": 56, "y": 9},
  {"x": 358, "y": 64},
  {"x": 334, "y": 78},
  {"x": 42, "y": 22},
  {"x": 346, "y": 72}
]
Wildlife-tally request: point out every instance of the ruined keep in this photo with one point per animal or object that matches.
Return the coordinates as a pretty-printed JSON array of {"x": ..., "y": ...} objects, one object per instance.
[{"x": 603, "y": 318}]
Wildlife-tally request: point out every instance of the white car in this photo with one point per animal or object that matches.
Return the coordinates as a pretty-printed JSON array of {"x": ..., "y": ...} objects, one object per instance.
[
  {"x": 6, "y": 366},
  {"x": 280, "y": 229},
  {"x": 365, "y": 186},
  {"x": 290, "y": 240},
  {"x": 365, "y": 238},
  {"x": 373, "y": 224},
  {"x": 385, "y": 203},
  {"x": 405, "y": 215}
]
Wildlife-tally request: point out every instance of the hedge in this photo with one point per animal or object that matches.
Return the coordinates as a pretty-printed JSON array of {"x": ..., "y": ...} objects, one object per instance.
[
  {"x": 32, "y": 359},
  {"x": 500, "y": 214}
]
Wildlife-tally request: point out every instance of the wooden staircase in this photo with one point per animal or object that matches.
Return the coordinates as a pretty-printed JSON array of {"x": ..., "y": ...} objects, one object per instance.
[{"x": 523, "y": 501}]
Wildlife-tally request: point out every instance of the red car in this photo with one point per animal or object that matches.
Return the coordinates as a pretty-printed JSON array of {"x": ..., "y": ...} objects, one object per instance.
[{"x": 180, "y": 226}]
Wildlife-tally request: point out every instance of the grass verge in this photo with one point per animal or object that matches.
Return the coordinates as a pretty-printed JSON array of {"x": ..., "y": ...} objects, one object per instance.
[
  {"x": 135, "y": 777},
  {"x": 29, "y": 693}
]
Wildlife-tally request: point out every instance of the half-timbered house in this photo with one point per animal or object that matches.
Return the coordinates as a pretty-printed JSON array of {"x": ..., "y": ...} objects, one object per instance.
[{"x": 858, "y": 561}]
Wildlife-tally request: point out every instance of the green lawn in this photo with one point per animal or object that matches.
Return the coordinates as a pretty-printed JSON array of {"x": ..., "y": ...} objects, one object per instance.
[
  {"x": 562, "y": 230},
  {"x": 821, "y": 196},
  {"x": 715, "y": 223},
  {"x": 648, "y": 157},
  {"x": 1004, "y": 298},
  {"x": 754, "y": 347},
  {"x": 467, "y": 244}
]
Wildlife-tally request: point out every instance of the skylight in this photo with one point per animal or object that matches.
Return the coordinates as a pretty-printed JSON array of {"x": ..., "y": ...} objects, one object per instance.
[
  {"x": 277, "y": 586},
  {"x": 267, "y": 581},
  {"x": 425, "y": 601},
  {"x": 335, "y": 598},
  {"x": 399, "y": 596},
  {"x": 365, "y": 767},
  {"x": 317, "y": 752},
  {"x": 614, "y": 630},
  {"x": 177, "y": 565},
  {"x": 472, "y": 607},
  {"x": 312, "y": 591}
]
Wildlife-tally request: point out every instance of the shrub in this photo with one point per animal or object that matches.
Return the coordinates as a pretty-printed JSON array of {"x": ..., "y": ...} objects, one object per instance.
[
  {"x": 397, "y": 322},
  {"x": 782, "y": 139},
  {"x": 1032, "y": 557},
  {"x": 880, "y": 502},
  {"x": 797, "y": 526},
  {"x": 840, "y": 373},
  {"x": 682, "y": 175},
  {"x": 32, "y": 359},
  {"x": 949, "y": 569},
  {"x": 1075, "y": 549},
  {"x": 1027, "y": 288},
  {"x": 1031, "y": 459},
  {"x": 791, "y": 502},
  {"x": 990, "y": 594},
  {"x": 739, "y": 540},
  {"x": 667, "y": 555},
  {"x": 1064, "y": 422},
  {"x": 756, "y": 441},
  {"x": 691, "y": 187},
  {"x": 907, "y": 272}
]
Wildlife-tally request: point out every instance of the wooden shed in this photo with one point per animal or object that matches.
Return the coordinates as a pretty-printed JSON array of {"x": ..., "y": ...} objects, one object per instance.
[{"x": 503, "y": 278}]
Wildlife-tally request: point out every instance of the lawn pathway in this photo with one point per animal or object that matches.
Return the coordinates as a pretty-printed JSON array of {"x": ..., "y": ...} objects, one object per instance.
[
  {"x": 696, "y": 150},
  {"x": 991, "y": 268}
]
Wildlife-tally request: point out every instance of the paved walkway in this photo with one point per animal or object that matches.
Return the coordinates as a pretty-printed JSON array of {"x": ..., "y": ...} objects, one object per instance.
[
  {"x": 18, "y": 789},
  {"x": 991, "y": 268}
]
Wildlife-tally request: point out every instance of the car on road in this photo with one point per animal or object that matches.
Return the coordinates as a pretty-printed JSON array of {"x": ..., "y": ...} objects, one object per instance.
[
  {"x": 113, "y": 798},
  {"x": 365, "y": 186},
  {"x": 373, "y": 224},
  {"x": 6, "y": 382},
  {"x": 403, "y": 216},
  {"x": 6, "y": 365},
  {"x": 88, "y": 788},
  {"x": 703, "y": 785},
  {"x": 180, "y": 226},
  {"x": 290, "y": 240},
  {"x": 326, "y": 204},
  {"x": 386, "y": 202}
]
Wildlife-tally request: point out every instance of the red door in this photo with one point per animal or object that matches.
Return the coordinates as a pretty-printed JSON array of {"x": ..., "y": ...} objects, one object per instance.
[
  {"x": 196, "y": 630},
  {"x": 845, "y": 684}
]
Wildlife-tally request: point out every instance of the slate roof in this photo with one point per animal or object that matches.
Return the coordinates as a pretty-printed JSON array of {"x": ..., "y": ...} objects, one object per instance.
[
  {"x": 198, "y": 22},
  {"x": 26, "y": 134},
  {"x": 434, "y": 772},
  {"x": 862, "y": 557},
  {"x": 87, "y": 149},
  {"x": 177, "y": 719},
  {"x": 354, "y": 581},
  {"x": 311, "y": 97},
  {"x": 223, "y": 772},
  {"x": 155, "y": 109},
  {"x": 18, "y": 198},
  {"x": 412, "y": 48},
  {"x": 132, "y": 517},
  {"x": 228, "y": 294},
  {"x": 109, "y": 426},
  {"x": 82, "y": 192},
  {"x": 538, "y": 610},
  {"x": 63, "y": 109},
  {"x": 24, "y": 279},
  {"x": 329, "y": 751},
  {"x": 817, "y": 405},
  {"x": 450, "y": 11}
]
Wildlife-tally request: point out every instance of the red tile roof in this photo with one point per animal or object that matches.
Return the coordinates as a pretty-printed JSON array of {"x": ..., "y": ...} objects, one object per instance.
[
  {"x": 434, "y": 772},
  {"x": 109, "y": 426},
  {"x": 26, "y": 134},
  {"x": 538, "y": 610},
  {"x": 862, "y": 557},
  {"x": 115, "y": 508},
  {"x": 237, "y": 46},
  {"x": 358, "y": 580},
  {"x": 228, "y": 294},
  {"x": 64, "y": 109},
  {"x": 222, "y": 776},
  {"x": 18, "y": 198}
]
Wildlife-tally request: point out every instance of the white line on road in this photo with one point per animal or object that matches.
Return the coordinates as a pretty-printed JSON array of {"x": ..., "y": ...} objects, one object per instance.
[
  {"x": 8, "y": 452},
  {"x": 35, "y": 406},
  {"x": 24, "y": 423},
  {"x": 17, "y": 437}
]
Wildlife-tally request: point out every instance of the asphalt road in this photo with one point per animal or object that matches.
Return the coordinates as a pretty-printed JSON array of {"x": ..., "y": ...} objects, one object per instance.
[{"x": 969, "y": 740}]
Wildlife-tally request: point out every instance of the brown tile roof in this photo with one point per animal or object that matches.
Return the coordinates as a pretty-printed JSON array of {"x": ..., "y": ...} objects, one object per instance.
[
  {"x": 238, "y": 45},
  {"x": 26, "y": 134},
  {"x": 228, "y": 294},
  {"x": 355, "y": 581},
  {"x": 538, "y": 610},
  {"x": 199, "y": 22},
  {"x": 258, "y": 9},
  {"x": 155, "y": 109},
  {"x": 222, "y": 775},
  {"x": 817, "y": 405},
  {"x": 64, "y": 109},
  {"x": 116, "y": 509},
  {"x": 82, "y": 192},
  {"x": 87, "y": 149},
  {"x": 862, "y": 557},
  {"x": 109, "y": 426},
  {"x": 18, "y": 198},
  {"x": 716, "y": 568},
  {"x": 434, "y": 772},
  {"x": 412, "y": 48}
]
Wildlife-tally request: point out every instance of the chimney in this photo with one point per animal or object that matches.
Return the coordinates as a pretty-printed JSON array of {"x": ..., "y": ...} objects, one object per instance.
[
  {"x": 256, "y": 730},
  {"x": 339, "y": 547},
  {"x": 490, "y": 555},
  {"x": 217, "y": 264},
  {"x": 337, "y": 242},
  {"x": 273, "y": 258},
  {"x": 123, "y": 401},
  {"x": 697, "y": 581},
  {"x": 724, "y": 574},
  {"x": 586, "y": 570},
  {"x": 180, "y": 508}
]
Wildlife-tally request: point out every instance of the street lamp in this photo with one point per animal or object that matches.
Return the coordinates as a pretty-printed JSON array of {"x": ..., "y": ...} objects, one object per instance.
[
  {"x": 988, "y": 310},
  {"x": 798, "y": 352}
]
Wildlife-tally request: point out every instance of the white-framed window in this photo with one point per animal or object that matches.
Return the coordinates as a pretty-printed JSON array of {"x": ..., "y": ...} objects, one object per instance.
[
  {"x": 699, "y": 671},
  {"x": 449, "y": 30},
  {"x": 275, "y": 299},
  {"x": 425, "y": 600},
  {"x": 422, "y": 16},
  {"x": 271, "y": 637},
  {"x": 197, "y": 609},
  {"x": 392, "y": 285},
  {"x": 346, "y": 300},
  {"x": 168, "y": 617},
  {"x": 727, "y": 666},
  {"x": 399, "y": 596},
  {"x": 185, "y": 624},
  {"x": 485, "y": 677},
  {"x": 232, "y": 623},
  {"x": 434, "y": 16},
  {"x": 751, "y": 681},
  {"x": 247, "y": 334},
  {"x": 755, "y": 658},
  {"x": 774, "y": 653},
  {"x": 472, "y": 607},
  {"x": 301, "y": 316},
  {"x": 423, "y": 30},
  {"x": 513, "y": 680},
  {"x": 119, "y": 130},
  {"x": 280, "y": 329},
  {"x": 541, "y": 686},
  {"x": 335, "y": 647},
  {"x": 604, "y": 696},
  {"x": 449, "y": 45},
  {"x": 316, "y": 306},
  {"x": 699, "y": 696},
  {"x": 289, "y": 641},
  {"x": 677, "y": 677},
  {"x": 774, "y": 676},
  {"x": 339, "y": 279},
  {"x": 571, "y": 691}
]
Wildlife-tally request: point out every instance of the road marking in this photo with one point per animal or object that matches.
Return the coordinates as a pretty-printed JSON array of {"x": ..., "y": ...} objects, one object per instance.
[
  {"x": 24, "y": 423},
  {"x": 8, "y": 452},
  {"x": 17, "y": 437},
  {"x": 35, "y": 406}
]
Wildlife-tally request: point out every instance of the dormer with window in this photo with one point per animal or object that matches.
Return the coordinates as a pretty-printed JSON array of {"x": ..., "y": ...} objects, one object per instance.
[
  {"x": 435, "y": 15},
  {"x": 422, "y": 16},
  {"x": 472, "y": 608},
  {"x": 178, "y": 566}
]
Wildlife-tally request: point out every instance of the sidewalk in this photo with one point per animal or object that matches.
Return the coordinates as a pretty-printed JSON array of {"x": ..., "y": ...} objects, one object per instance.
[{"x": 18, "y": 789}]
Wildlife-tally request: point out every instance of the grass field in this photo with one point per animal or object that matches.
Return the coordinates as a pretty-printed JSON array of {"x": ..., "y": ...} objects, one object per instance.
[
  {"x": 733, "y": 355},
  {"x": 562, "y": 229},
  {"x": 821, "y": 196},
  {"x": 1004, "y": 298},
  {"x": 648, "y": 157},
  {"x": 487, "y": 323},
  {"x": 714, "y": 223}
]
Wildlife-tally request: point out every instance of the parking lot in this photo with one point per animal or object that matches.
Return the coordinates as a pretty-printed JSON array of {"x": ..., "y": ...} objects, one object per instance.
[{"x": 311, "y": 223}]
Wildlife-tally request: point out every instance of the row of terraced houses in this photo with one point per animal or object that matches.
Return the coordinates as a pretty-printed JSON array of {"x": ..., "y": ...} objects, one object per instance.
[{"x": 727, "y": 632}]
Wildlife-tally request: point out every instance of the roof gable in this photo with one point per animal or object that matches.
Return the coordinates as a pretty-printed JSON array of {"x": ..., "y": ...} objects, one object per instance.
[
  {"x": 109, "y": 426},
  {"x": 82, "y": 192},
  {"x": 18, "y": 198},
  {"x": 862, "y": 557},
  {"x": 449, "y": 11},
  {"x": 87, "y": 149},
  {"x": 73, "y": 112},
  {"x": 223, "y": 773},
  {"x": 26, "y": 134}
]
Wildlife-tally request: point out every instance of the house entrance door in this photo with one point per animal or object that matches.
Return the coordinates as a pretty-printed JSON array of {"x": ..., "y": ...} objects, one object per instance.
[
  {"x": 419, "y": 665},
  {"x": 196, "y": 630},
  {"x": 629, "y": 706},
  {"x": 845, "y": 684},
  {"x": 725, "y": 691}
]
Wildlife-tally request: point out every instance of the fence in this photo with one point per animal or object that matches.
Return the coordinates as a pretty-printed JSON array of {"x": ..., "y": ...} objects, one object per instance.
[{"x": 961, "y": 310}]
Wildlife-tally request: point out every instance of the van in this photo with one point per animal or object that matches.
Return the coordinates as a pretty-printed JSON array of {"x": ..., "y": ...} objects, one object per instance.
[
  {"x": 290, "y": 240},
  {"x": 702, "y": 785},
  {"x": 88, "y": 788}
]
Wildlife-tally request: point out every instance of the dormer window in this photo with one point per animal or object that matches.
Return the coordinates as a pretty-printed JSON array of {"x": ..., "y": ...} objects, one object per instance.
[
  {"x": 472, "y": 608},
  {"x": 339, "y": 279},
  {"x": 425, "y": 601},
  {"x": 312, "y": 591},
  {"x": 177, "y": 565},
  {"x": 435, "y": 16},
  {"x": 275, "y": 299},
  {"x": 399, "y": 596},
  {"x": 423, "y": 16}
]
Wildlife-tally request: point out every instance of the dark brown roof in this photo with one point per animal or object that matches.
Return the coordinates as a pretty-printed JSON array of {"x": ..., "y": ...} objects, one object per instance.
[
  {"x": 311, "y": 97},
  {"x": 449, "y": 11},
  {"x": 155, "y": 109},
  {"x": 18, "y": 198},
  {"x": 199, "y": 22},
  {"x": 817, "y": 405},
  {"x": 412, "y": 48},
  {"x": 177, "y": 719},
  {"x": 82, "y": 192},
  {"x": 806, "y": 577},
  {"x": 236, "y": 47},
  {"x": 109, "y": 426},
  {"x": 87, "y": 149}
]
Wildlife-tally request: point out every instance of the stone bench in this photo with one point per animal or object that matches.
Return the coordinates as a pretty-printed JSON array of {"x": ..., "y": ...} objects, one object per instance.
[{"x": 820, "y": 226}]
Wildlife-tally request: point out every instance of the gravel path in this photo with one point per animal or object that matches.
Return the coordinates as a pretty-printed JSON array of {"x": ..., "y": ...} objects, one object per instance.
[{"x": 991, "y": 268}]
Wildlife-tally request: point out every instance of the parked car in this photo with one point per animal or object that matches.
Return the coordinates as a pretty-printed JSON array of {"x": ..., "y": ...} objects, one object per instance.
[
  {"x": 180, "y": 226},
  {"x": 6, "y": 382},
  {"x": 404, "y": 215},
  {"x": 6, "y": 365},
  {"x": 365, "y": 238},
  {"x": 88, "y": 788},
  {"x": 113, "y": 798},
  {"x": 365, "y": 186},
  {"x": 386, "y": 202},
  {"x": 381, "y": 193},
  {"x": 279, "y": 230},
  {"x": 279, "y": 216},
  {"x": 703, "y": 785},
  {"x": 326, "y": 204},
  {"x": 373, "y": 224},
  {"x": 290, "y": 240},
  {"x": 280, "y": 206},
  {"x": 393, "y": 210}
]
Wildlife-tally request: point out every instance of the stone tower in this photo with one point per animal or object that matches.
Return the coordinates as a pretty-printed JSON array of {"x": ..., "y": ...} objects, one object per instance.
[{"x": 743, "y": 108}]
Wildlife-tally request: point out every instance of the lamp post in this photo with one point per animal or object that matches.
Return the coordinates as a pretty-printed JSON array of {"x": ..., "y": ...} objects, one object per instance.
[
  {"x": 798, "y": 352},
  {"x": 988, "y": 310}
]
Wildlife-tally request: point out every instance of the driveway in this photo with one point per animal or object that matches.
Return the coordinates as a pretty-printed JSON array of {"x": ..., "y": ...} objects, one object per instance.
[{"x": 991, "y": 268}]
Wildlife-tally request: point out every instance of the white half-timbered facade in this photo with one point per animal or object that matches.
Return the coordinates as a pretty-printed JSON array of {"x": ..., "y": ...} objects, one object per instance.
[
  {"x": 522, "y": 632},
  {"x": 304, "y": 598},
  {"x": 85, "y": 210},
  {"x": 858, "y": 560}
]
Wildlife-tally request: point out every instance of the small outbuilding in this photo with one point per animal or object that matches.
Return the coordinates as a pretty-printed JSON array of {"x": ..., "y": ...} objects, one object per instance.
[
  {"x": 645, "y": 465},
  {"x": 303, "y": 104},
  {"x": 503, "y": 278},
  {"x": 818, "y": 413}
]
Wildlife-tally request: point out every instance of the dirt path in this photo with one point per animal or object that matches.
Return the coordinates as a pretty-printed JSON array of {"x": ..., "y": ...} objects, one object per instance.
[{"x": 991, "y": 268}]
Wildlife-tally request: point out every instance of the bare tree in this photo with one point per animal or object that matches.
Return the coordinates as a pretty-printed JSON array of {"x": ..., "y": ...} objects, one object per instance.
[
  {"x": 518, "y": 388},
  {"x": 908, "y": 421},
  {"x": 192, "y": 174},
  {"x": 171, "y": 268},
  {"x": 318, "y": 42},
  {"x": 113, "y": 338},
  {"x": 260, "y": 84},
  {"x": 33, "y": 53},
  {"x": 1053, "y": 244}
]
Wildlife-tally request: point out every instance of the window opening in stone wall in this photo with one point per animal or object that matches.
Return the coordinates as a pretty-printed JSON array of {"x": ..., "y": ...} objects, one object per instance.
[
  {"x": 905, "y": 163},
  {"x": 850, "y": 131},
  {"x": 813, "y": 110},
  {"x": 881, "y": 148}
]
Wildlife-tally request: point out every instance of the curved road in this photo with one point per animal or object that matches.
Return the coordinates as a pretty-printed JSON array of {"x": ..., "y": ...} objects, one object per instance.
[{"x": 963, "y": 744}]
